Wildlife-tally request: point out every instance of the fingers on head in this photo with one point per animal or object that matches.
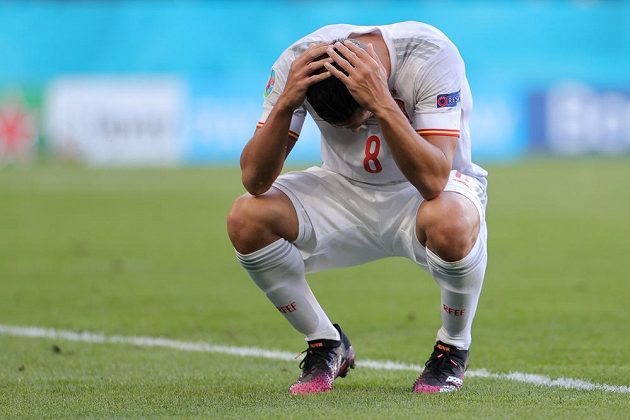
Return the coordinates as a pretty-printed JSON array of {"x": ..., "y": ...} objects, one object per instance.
[
  {"x": 335, "y": 71},
  {"x": 372, "y": 53},
  {"x": 316, "y": 67},
  {"x": 314, "y": 78},
  {"x": 317, "y": 50},
  {"x": 354, "y": 47},
  {"x": 370, "y": 49},
  {"x": 318, "y": 62},
  {"x": 346, "y": 52},
  {"x": 339, "y": 59}
]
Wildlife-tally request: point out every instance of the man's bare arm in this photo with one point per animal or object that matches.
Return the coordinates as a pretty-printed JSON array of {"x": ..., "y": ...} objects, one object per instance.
[
  {"x": 425, "y": 161},
  {"x": 263, "y": 157}
]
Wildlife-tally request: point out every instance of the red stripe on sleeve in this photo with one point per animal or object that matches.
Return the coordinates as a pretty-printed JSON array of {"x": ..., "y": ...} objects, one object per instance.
[{"x": 292, "y": 134}]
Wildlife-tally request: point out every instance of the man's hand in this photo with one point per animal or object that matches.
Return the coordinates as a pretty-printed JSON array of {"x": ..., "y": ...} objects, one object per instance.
[
  {"x": 301, "y": 76},
  {"x": 264, "y": 154},
  {"x": 367, "y": 77},
  {"x": 426, "y": 163}
]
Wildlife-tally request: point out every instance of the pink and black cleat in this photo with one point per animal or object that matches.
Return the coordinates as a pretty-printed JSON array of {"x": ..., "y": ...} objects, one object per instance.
[
  {"x": 325, "y": 360},
  {"x": 444, "y": 371}
]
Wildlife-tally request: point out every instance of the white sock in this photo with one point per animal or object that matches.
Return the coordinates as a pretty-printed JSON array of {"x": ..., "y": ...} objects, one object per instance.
[
  {"x": 460, "y": 285},
  {"x": 278, "y": 269}
]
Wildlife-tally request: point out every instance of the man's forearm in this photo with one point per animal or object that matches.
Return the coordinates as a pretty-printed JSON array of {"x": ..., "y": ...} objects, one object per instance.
[
  {"x": 263, "y": 156},
  {"x": 426, "y": 166}
]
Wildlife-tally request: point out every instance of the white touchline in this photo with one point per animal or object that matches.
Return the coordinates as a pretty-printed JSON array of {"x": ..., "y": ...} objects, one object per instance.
[{"x": 97, "y": 338}]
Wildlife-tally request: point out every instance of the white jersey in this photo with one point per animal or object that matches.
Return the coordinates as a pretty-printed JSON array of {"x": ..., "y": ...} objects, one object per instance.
[{"x": 428, "y": 82}]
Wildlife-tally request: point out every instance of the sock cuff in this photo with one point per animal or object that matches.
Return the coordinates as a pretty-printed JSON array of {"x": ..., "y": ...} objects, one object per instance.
[
  {"x": 326, "y": 332},
  {"x": 461, "y": 267},
  {"x": 268, "y": 257}
]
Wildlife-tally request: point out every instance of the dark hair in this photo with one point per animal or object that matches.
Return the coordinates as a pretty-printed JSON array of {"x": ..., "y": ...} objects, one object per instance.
[{"x": 331, "y": 99}]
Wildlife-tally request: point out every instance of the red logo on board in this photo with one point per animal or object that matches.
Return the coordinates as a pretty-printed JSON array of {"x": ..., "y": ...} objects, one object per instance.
[{"x": 17, "y": 129}]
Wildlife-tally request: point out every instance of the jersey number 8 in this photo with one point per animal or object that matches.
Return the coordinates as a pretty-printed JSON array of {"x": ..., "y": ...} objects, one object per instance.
[{"x": 372, "y": 148}]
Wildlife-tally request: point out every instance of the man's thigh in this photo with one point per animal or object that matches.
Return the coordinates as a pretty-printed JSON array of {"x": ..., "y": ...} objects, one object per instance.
[
  {"x": 341, "y": 224},
  {"x": 337, "y": 221}
]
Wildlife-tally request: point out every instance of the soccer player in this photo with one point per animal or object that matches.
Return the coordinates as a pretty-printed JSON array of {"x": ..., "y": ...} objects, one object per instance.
[{"x": 392, "y": 103}]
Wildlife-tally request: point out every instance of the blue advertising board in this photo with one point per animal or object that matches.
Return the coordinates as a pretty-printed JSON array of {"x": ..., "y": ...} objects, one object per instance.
[{"x": 518, "y": 56}]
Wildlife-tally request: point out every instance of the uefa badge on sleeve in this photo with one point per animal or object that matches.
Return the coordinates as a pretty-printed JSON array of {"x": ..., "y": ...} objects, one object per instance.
[{"x": 448, "y": 100}]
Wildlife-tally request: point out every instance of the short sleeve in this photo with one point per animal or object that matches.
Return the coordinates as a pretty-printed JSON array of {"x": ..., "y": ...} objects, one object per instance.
[
  {"x": 438, "y": 91},
  {"x": 273, "y": 89}
]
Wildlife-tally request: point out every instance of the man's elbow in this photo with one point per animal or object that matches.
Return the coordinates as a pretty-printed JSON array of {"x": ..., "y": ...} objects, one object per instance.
[
  {"x": 255, "y": 186},
  {"x": 256, "y": 191},
  {"x": 429, "y": 195},
  {"x": 432, "y": 189}
]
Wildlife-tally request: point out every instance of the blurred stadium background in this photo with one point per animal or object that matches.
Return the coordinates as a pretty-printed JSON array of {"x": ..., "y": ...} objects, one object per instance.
[
  {"x": 170, "y": 83},
  {"x": 121, "y": 124}
]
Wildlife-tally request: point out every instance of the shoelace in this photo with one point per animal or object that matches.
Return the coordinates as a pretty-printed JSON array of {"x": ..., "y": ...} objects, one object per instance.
[
  {"x": 315, "y": 358},
  {"x": 441, "y": 361}
]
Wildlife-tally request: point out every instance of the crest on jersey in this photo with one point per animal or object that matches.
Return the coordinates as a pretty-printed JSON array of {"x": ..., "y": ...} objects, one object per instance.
[
  {"x": 448, "y": 99},
  {"x": 270, "y": 83}
]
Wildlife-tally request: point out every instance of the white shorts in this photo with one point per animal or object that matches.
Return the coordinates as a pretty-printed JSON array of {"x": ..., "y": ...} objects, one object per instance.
[{"x": 344, "y": 223}]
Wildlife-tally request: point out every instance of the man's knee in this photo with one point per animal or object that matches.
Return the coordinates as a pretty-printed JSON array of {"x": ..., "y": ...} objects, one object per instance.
[
  {"x": 241, "y": 222},
  {"x": 448, "y": 226},
  {"x": 256, "y": 221}
]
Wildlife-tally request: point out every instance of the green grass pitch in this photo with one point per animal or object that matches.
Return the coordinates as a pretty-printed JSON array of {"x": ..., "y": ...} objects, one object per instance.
[{"x": 144, "y": 252}]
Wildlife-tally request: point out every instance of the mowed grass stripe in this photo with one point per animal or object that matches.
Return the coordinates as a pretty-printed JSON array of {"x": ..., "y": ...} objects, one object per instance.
[{"x": 140, "y": 341}]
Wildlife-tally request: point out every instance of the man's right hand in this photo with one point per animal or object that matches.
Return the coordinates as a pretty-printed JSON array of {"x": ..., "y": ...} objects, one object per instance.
[{"x": 301, "y": 76}]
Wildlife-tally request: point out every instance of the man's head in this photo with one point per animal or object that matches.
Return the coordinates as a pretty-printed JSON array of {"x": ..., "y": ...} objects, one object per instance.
[{"x": 332, "y": 100}]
